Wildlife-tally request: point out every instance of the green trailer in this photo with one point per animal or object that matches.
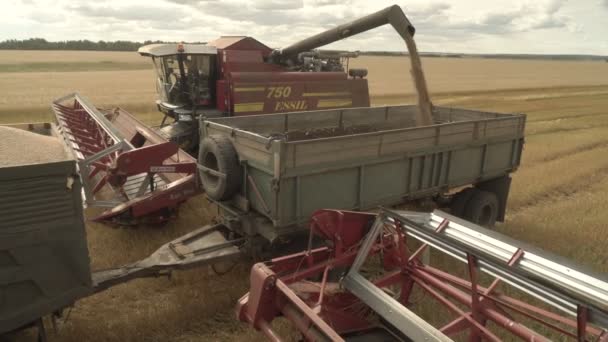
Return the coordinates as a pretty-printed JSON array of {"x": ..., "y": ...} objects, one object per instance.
[{"x": 269, "y": 173}]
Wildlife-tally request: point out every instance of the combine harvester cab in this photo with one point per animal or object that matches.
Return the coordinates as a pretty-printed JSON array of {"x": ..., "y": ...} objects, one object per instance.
[
  {"x": 125, "y": 166},
  {"x": 369, "y": 282}
]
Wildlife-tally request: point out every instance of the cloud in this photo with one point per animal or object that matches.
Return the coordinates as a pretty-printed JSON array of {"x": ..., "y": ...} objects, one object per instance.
[
  {"x": 441, "y": 25},
  {"x": 132, "y": 12},
  {"x": 320, "y": 3},
  {"x": 430, "y": 10},
  {"x": 273, "y": 5},
  {"x": 266, "y": 14},
  {"x": 46, "y": 17},
  {"x": 190, "y": 2},
  {"x": 436, "y": 19}
]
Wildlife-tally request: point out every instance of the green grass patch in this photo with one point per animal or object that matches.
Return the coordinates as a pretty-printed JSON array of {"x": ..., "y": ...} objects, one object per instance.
[{"x": 72, "y": 66}]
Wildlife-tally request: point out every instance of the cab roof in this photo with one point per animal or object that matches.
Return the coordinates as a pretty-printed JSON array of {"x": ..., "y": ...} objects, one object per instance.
[
  {"x": 160, "y": 50},
  {"x": 240, "y": 43}
]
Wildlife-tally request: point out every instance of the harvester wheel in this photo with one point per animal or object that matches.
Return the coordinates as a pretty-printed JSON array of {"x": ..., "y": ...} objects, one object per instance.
[
  {"x": 482, "y": 208},
  {"x": 221, "y": 174}
]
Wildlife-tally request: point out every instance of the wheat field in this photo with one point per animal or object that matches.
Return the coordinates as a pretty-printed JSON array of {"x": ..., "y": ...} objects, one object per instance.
[{"x": 558, "y": 198}]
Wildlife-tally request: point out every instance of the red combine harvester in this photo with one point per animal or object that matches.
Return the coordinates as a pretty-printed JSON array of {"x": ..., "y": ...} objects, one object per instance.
[
  {"x": 369, "y": 282},
  {"x": 238, "y": 75}
]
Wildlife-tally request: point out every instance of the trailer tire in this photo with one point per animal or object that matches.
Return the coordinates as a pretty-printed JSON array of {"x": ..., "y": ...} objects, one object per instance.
[
  {"x": 217, "y": 153},
  {"x": 459, "y": 202},
  {"x": 482, "y": 208}
]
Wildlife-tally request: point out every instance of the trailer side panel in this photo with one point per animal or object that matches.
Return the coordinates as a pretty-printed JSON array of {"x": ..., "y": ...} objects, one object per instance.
[{"x": 44, "y": 260}]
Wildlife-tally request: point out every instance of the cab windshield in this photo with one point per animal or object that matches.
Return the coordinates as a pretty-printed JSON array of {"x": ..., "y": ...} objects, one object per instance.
[{"x": 184, "y": 80}]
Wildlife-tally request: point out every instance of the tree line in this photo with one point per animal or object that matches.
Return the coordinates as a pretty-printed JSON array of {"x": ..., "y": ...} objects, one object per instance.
[{"x": 43, "y": 44}]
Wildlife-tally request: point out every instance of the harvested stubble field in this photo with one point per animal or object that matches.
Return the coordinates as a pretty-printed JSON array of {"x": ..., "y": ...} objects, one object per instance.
[{"x": 558, "y": 200}]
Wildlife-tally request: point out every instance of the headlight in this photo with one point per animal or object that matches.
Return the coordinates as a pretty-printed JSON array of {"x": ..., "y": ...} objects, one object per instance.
[{"x": 184, "y": 117}]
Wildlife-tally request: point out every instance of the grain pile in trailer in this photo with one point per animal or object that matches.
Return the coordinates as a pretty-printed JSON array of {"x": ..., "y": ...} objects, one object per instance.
[{"x": 19, "y": 147}]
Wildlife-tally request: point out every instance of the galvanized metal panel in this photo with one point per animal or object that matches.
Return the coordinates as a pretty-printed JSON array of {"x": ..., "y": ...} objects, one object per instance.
[
  {"x": 408, "y": 141},
  {"x": 457, "y": 134},
  {"x": 500, "y": 127},
  {"x": 372, "y": 117},
  {"x": 497, "y": 156},
  {"x": 374, "y": 177},
  {"x": 327, "y": 190},
  {"x": 322, "y": 119},
  {"x": 465, "y": 164},
  {"x": 261, "y": 124},
  {"x": 44, "y": 261},
  {"x": 325, "y": 151},
  {"x": 263, "y": 182}
]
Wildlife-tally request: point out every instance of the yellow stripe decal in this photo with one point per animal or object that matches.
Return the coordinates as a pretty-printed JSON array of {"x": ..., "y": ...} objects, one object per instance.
[
  {"x": 249, "y": 107},
  {"x": 335, "y": 103},
  {"x": 337, "y": 93},
  {"x": 248, "y": 89}
]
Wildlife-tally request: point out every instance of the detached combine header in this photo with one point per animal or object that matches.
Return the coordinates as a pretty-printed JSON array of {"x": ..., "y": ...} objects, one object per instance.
[
  {"x": 370, "y": 281},
  {"x": 125, "y": 166}
]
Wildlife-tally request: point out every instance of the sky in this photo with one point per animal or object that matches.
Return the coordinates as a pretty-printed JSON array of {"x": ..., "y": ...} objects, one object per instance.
[{"x": 465, "y": 26}]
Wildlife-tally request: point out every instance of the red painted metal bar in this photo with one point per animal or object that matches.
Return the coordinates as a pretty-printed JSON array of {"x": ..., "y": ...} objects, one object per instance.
[
  {"x": 475, "y": 302},
  {"x": 267, "y": 330},
  {"x": 514, "y": 259},
  {"x": 503, "y": 321},
  {"x": 536, "y": 317},
  {"x": 421, "y": 249},
  {"x": 474, "y": 324},
  {"x": 581, "y": 323},
  {"x": 323, "y": 285},
  {"x": 512, "y": 303}
]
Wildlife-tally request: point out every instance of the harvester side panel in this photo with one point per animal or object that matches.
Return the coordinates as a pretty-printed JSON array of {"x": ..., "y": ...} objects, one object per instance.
[
  {"x": 279, "y": 92},
  {"x": 44, "y": 260}
]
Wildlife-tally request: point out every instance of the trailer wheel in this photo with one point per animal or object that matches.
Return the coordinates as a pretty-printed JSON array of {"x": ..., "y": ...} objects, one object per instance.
[
  {"x": 482, "y": 208},
  {"x": 220, "y": 172},
  {"x": 460, "y": 200}
]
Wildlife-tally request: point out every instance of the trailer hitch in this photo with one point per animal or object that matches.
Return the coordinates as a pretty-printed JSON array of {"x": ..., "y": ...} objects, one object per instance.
[{"x": 204, "y": 246}]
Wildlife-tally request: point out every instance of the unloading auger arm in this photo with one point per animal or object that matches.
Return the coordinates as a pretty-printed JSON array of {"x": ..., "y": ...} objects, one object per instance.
[{"x": 391, "y": 15}]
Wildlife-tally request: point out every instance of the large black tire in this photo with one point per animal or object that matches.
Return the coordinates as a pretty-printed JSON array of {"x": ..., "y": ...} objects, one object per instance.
[
  {"x": 460, "y": 200},
  {"x": 482, "y": 208},
  {"x": 217, "y": 153}
]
